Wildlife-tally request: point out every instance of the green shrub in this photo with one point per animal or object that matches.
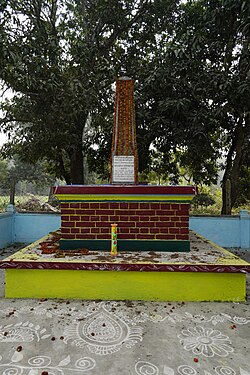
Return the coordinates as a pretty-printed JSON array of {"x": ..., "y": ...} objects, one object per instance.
[{"x": 203, "y": 200}]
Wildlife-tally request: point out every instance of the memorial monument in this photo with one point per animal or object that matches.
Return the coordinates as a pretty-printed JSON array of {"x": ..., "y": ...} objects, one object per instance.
[
  {"x": 147, "y": 217},
  {"x": 139, "y": 224}
]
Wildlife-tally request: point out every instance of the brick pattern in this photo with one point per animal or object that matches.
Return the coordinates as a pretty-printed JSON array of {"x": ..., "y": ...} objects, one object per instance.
[{"x": 136, "y": 221}]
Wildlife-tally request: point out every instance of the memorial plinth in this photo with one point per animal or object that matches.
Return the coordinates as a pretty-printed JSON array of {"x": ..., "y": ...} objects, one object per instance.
[
  {"x": 206, "y": 273},
  {"x": 148, "y": 218}
]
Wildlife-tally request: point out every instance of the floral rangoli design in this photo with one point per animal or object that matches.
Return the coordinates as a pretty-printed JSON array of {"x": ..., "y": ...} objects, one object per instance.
[
  {"x": 205, "y": 341},
  {"x": 22, "y": 332},
  {"x": 102, "y": 332},
  {"x": 102, "y": 328}
]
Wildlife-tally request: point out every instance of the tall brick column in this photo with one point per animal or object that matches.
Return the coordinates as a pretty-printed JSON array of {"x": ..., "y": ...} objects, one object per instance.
[{"x": 124, "y": 157}]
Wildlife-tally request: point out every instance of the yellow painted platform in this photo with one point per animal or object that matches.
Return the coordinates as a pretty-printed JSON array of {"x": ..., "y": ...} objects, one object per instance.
[
  {"x": 207, "y": 273},
  {"x": 115, "y": 285}
]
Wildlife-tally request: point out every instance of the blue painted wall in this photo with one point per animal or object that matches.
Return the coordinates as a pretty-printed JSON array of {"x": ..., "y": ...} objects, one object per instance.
[
  {"x": 223, "y": 231},
  {"x": 6, "y": 229},
  {"x": 226, "y": 231},
  {"x": 31, "y": 227}
]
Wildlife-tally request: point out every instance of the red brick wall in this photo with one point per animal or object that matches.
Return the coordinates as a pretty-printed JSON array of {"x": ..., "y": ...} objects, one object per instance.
[{"x": 145, "y": 221}]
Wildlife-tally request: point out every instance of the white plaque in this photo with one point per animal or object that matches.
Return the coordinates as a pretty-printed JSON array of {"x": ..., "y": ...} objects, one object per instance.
[{"x": 124, "y": 169}]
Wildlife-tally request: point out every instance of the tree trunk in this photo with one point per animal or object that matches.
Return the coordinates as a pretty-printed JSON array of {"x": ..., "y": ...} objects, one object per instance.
[
  {"x": 63, "y": 171},
  {"x": 76, "y": 166},
  {"x": 236, "y": 167},
  {"x": 233, "y": 166},
  {"x": 227, "y": 201},
  {"x": 12, "y": 191},
  {"x": 226, "y": 209}
]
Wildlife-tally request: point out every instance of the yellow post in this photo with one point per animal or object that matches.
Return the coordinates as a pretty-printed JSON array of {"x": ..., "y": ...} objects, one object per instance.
[{"x": 113, "y": 239}]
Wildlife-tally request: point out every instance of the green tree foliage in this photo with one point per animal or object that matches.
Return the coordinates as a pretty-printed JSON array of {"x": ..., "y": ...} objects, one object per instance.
[
  {"x": 216, "y": 38},
  {"x": 192, "y": 68},
  {"x": 60, "y": 59},
  {"x": 198, "y": 91},
  {"x": 3, "y": 174},
  {"x": 15, "y": 170},
  {"x": 203, "y": 199}
]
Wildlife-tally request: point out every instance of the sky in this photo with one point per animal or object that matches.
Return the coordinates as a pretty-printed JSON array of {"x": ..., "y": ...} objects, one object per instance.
[{"x": 3, "y": 138}]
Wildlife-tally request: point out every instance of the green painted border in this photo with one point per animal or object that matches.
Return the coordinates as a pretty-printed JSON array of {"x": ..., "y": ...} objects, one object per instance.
[{"x": 128, "y": 245}]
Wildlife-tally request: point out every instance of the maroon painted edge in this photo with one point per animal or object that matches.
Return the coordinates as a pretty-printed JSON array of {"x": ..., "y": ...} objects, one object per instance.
[
  {"x": 125, "y": 189},
  {"x": 126, "y": 267}
]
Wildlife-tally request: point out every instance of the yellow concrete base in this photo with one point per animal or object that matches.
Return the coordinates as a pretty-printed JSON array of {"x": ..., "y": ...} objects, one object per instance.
[
  {"x": 207, "y": 273},
  {"x": 133, "y": 285}
]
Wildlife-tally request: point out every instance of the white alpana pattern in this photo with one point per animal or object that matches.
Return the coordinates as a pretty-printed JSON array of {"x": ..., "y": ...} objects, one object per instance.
[{"x": 85, "y": 333}]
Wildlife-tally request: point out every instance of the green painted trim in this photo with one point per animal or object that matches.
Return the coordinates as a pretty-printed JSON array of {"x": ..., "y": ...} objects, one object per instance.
[{"x": 128, "y": 245}]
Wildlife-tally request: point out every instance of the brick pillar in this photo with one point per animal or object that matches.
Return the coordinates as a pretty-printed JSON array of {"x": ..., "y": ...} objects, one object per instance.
[{"x": 124, "y": 158}]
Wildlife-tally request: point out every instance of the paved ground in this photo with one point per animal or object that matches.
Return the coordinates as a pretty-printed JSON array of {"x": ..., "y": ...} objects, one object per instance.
[{"x": 39, "y": 337}]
